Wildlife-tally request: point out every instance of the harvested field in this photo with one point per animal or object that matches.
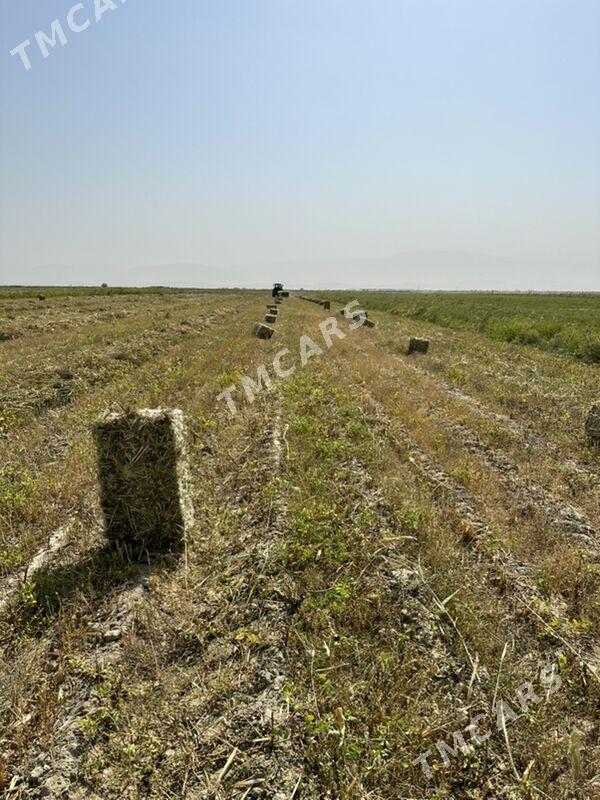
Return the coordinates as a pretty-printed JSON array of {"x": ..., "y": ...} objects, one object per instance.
[
  {"x": 391, "y": 586},
  {"x": 562, "y": 323}
]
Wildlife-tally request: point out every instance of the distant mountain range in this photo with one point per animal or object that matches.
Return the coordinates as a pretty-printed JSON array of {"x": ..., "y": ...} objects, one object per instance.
[
  {"x": 435, "y": 270},
  {"x": 427, "y": 270}
]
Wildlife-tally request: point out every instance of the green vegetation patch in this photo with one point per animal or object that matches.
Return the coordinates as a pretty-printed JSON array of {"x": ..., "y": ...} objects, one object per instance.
[{"x": 562, "y": 323}]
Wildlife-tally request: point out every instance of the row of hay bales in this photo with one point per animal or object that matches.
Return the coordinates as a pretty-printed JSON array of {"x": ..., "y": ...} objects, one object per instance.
[
  {"x": 367, "y": 322},
  {"x": 266, "y": 329},
  {"x": 415, "y": 344},
  {"x": 144, "y": 475},
  {"x": 325, "y": 303},
  {"x": 143, "y": 467}
]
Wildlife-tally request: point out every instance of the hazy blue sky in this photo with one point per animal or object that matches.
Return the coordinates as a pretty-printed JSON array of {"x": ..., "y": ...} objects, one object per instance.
[{"x": 237, "y": 133}]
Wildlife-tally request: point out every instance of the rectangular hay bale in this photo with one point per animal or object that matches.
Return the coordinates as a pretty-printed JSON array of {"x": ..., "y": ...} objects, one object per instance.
[
  {"x": 592, "y": 424},
  {"x": 144, "y": 479},
  {"x": 262, "y": 331},
  {"x": 416, "y": 345},
  {"x": 271, "y": 319}
]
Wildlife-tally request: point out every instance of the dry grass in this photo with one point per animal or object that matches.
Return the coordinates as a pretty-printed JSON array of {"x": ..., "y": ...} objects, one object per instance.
[{"x": 378, "y": 554}]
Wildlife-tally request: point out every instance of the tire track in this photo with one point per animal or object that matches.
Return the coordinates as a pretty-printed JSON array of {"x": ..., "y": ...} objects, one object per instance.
[
  {"x": 477, "y": 532},
  {"x": 568, "y": 520},
  {"x": 523, "y": 432},
  {"x": 565, "y": 518},
  {"x": 44, "y": 558},
  {"x": 261, "y": 760}
]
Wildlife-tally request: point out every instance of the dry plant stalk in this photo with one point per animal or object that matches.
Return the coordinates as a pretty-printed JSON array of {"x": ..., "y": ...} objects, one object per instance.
[{"x": 144, "y": 478}]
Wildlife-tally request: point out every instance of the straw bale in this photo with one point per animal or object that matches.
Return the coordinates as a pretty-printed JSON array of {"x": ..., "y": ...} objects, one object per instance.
[{"x": 144, "y": 478}]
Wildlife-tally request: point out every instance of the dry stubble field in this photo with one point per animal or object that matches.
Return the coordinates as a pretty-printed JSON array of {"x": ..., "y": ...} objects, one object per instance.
[{"x": 386, "y": 548}]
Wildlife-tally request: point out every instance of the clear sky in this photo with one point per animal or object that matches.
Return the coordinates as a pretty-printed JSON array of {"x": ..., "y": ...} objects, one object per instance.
[{"x": 250, "y": 135}]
